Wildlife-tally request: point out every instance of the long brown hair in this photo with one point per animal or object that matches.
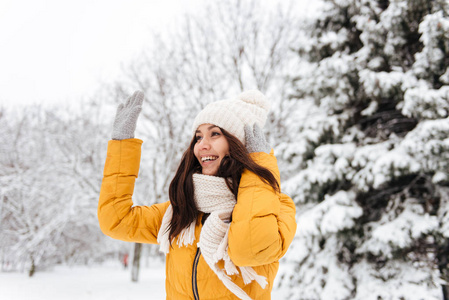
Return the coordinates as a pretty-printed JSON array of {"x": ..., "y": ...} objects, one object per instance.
[{"x": 231, "y": 167}]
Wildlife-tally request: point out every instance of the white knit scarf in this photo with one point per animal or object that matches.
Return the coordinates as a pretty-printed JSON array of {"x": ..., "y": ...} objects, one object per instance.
[{"x": 213, "y": 196}]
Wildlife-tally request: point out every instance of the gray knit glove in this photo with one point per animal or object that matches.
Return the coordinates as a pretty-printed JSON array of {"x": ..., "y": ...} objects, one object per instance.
[
  {"x": 255, "y": 140},
  {"x": 126, "y": 117}
]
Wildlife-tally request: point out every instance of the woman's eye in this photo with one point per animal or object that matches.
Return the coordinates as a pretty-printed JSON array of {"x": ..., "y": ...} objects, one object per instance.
[
  {"x": 215, "y": 133},
  {"x": 197, "y": 138}
]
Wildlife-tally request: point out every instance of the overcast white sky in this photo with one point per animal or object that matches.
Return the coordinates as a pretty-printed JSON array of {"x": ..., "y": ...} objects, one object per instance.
[
  {"x": 54, "y": 50},
  {"x": 58, "y": 51}
]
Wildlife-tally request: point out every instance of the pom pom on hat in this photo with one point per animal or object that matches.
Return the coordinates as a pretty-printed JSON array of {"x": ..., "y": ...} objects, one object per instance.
[
  {"x": 255, "y": 97},
  {"x": 249, "y": 108}
]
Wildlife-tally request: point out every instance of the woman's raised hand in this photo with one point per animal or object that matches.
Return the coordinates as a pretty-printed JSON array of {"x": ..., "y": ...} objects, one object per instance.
[
  {"x": 255, "y": 140},
  {"x": 126, "y": 117}
]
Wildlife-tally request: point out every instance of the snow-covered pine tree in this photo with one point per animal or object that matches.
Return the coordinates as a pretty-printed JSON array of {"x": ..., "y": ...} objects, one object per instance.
[{"x": 372, "y": 189}]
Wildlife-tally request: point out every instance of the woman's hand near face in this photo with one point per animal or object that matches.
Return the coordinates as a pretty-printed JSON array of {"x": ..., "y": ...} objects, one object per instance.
[
  {"x": 126, "y": 117},
  {"x": 255, "y": 140}
]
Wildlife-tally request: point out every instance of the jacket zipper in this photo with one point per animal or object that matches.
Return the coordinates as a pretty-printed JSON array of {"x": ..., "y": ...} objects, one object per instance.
[{"x": 194, "y": 271}]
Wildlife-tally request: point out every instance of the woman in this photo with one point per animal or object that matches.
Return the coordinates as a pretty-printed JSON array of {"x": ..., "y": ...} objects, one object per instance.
[{"x": 226, "y": 224}]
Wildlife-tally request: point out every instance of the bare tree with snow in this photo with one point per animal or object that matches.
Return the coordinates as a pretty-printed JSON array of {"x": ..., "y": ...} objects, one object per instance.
[{"x": 49, "y": 185}]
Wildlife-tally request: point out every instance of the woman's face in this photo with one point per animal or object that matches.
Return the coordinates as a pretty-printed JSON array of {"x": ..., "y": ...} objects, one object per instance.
[{"x": 210, "y": 148}]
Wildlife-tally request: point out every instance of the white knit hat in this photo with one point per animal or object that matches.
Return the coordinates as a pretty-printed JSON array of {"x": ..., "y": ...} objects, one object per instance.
[{"x": 248, "y": 108}]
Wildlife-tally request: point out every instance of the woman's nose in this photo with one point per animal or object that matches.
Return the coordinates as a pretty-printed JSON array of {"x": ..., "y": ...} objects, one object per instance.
[{"x": 204, "y": 144}]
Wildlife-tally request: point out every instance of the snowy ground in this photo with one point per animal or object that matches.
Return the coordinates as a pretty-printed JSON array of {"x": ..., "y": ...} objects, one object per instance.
[{"x": 106, "y": 282}]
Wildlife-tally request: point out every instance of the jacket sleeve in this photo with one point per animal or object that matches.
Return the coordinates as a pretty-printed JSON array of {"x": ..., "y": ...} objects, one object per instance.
[
  {"x": 263, "y": 221},
  {"x": 116, "y": 214}
]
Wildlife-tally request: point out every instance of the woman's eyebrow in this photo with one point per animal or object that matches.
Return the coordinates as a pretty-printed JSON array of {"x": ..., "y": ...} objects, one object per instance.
[{"x": 208, "y": 128}]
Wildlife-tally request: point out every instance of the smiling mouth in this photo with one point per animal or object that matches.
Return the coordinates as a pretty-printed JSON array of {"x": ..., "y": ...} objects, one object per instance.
[{"x": 208, "y": 158}]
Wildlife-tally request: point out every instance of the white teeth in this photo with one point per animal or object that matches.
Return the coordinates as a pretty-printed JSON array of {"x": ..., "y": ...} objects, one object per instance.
[{"x": 207, "y": 158}]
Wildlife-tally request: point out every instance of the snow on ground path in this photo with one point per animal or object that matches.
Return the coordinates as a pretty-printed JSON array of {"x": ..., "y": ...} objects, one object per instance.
[
  {"x": 74, "y": 283},
  {"x": 104, "y": 282}
]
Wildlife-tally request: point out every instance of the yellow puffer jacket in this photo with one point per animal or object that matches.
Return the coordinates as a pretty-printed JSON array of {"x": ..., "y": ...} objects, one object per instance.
[{"x": 262, "y": 228}]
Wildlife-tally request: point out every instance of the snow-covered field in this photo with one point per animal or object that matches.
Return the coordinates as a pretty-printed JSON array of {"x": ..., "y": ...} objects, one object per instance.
[
  {"x": 109, "y": 281},
  {"x": 105, "y": 282}
]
